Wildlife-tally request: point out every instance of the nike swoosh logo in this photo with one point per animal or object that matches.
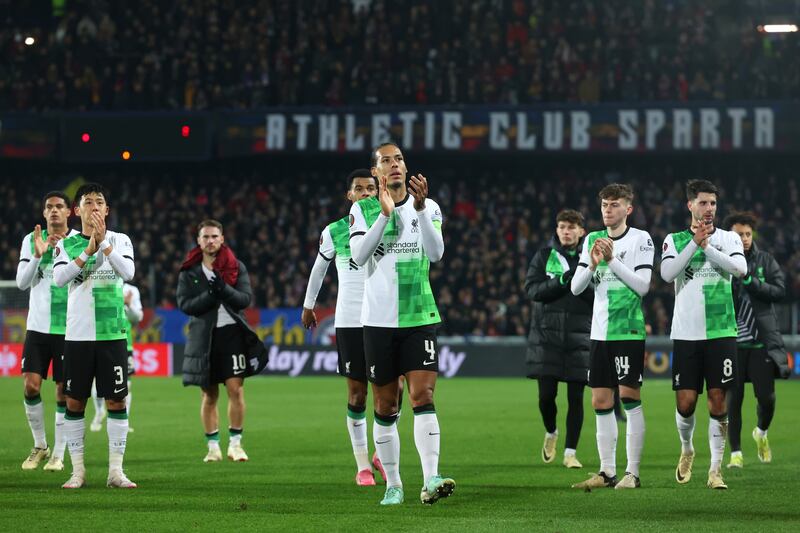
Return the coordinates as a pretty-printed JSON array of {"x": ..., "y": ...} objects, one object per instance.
[
  {"x": 117, "y": 391},
  {"x": 426, "y": 363},
  {"x": 382, "y": 441},
  {"x": 429, "y": 433},
  {"x": 726, "y": 380},
  {"x": 358, "y": 425},
  {"x": 237, "y": 372}
]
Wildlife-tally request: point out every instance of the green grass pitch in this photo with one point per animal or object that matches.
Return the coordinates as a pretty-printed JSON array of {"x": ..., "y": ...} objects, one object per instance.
[{"x": 300, "y": 474}]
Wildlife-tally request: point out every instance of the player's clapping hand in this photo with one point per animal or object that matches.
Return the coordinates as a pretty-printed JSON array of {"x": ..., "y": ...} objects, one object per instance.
[
  {"x": 607, "y": 247},
  {"x": 596, "y": 254},
  {"x": 418, "y": 185},
  {"x": 387, "y": 204},
  {"x": 39, "y": 245},
  {"x": 309, "y": 318},
  {"x": 91, "y": 247},
  {"x": 99, "y": 224},
  {"x": 702, "y": 233}
]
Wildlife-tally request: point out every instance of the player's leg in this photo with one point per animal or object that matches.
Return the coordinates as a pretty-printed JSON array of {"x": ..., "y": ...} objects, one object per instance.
[
  {"x": 574, "y": 422},
  {"x": 629, "y": 359},
  {"x": 236, "y": 411},
  {"x": 762, "y": 372},
  {"x": 720, "y": 375},
  {"x": 35, "y": 362},
  {"x": 99, "y": 410},
  {"x": 687, "y": 382},
  {"x": 735, "y": 398},
  {"x": 352, "y": 365},
  {"x": 382, "y": 372},
  {"x": 548, "y": 390},
  {"x": 209, "y": 416},
  {"x": 56, "y": 462},
  {"x": 112, "y": 384},
  {"x": 79, "y": 371},
  {"x": 420, "y": 364},
  {"x": 603, "y": 381}
]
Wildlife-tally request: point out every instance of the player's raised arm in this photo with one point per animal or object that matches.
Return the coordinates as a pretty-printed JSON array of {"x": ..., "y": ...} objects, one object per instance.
[
  {"x": 28, "y": 262},
  {"x": 430, "y": 218},
  {"x": 638, "y": 279},
  {"x": 120, "y": 257},
  {"x": 731, "y": 259},
  {"x": 364, "y": 240},
  {"x": 672, "y": 262},
  {"x": 327, "y": 252},
  {"x": 586, "y": 265}
]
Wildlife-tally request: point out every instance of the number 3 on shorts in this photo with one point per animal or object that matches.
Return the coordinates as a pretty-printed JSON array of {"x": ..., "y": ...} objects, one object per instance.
[{"x": 118, "y": 372}]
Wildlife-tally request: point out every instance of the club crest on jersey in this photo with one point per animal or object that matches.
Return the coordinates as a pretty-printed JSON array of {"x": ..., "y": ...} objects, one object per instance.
[
  {"x": 415, "y": 226},
  {"x": 621, "y": 255}
]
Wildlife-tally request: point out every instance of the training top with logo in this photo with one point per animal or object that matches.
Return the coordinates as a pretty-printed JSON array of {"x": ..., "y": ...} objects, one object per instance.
[
  {"x": 703, "y": 292},
  {"x": 334, "y": 243},
  {"x": 95, "y": 308},
  {"x": 617, "y": 313},
  {"x": 397, "y": 290},
  {"x": 47, "y": 304}
]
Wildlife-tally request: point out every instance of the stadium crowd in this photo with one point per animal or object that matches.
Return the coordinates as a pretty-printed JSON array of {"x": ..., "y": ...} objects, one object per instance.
[
  {"x": 495, "y": 220},
  {"x": 226, "y": 54}
]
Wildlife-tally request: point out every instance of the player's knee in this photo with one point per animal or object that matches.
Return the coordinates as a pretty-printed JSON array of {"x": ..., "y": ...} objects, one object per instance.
[
  {"x": 386, "y": 405},
  {"x": 210, "y": 397},
  {"x": 422, "y": 396},
  {"x": 357, "y": 397},
  {"x": 32, "y": 389}
]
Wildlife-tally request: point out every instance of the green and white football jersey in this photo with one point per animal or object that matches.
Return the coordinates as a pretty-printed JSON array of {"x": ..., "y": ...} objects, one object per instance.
[
  {"x": 334, "y": 243},
  {"x": 703, "y": 296},
  {"x": 47, "y": 304},
  {"x": 397, "y": 290},
  {"x": 617, "y": 312},
  {"x": 95, "y": 307}
]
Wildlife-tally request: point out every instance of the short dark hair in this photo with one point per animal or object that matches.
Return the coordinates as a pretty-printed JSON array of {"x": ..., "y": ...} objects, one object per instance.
[
  {"x": 695, "y": 187},
  {"x": 360, "y": 173},
  {"x": 210, "y": 223},
  {"x": 374, "y": 157},
  {"x": 88, "y": 188},
  {"x": 616, "y": 191},
  {"x": 571, "y": 216},
  {"x": 55, "y": 194},
  {"x": 746, "y": 218}
]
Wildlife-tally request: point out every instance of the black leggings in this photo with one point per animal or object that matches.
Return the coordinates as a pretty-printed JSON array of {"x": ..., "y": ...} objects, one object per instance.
[
  {"x": 548, "y": 390},
  {"x": 756, "y": 366}
]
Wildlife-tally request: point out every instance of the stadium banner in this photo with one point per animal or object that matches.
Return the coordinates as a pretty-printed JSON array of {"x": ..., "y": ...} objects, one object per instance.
[
  {"x": 539, "y": 129},
  {"x": 153, "y": 359},
  {"x": 28, "y": 136}
]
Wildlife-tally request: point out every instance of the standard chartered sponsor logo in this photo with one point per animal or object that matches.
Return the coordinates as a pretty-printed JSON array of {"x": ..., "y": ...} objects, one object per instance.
[{"x": 403, "y": 248}]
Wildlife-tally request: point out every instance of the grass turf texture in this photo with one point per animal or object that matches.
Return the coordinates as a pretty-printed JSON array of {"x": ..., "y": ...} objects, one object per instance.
[{"x": 301, "y": 469}]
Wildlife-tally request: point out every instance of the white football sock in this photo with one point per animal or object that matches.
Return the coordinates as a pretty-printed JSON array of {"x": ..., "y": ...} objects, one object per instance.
[
  {"x": 74, "y": 432},
  {"x": 685, "y": 431},
  {"x": 387, "y": 445},
  {"x": 634, "y": 438},
  {"x": 717, "y": 433},
  {"x": 117, "y": 429},
  {"x": 357, "y": 428},
  {"x": 426, "y": 437},
  {"x": 60, "y": 442},
  {"x": 607, "y": 442},
  {"x": 34, "y": 410}
]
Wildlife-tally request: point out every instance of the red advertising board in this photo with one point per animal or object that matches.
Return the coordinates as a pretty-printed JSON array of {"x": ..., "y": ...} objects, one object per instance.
[
  {"x": 153, "y": 359},
  {"x": 10, "y": 359}
]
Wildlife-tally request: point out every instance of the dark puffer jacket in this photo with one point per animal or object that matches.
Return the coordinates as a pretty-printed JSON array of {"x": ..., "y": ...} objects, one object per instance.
[
  {"x": 195, "y": 299},
  {"x": 766, "y": 285},
  {"x": 558, "y": 343}
]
